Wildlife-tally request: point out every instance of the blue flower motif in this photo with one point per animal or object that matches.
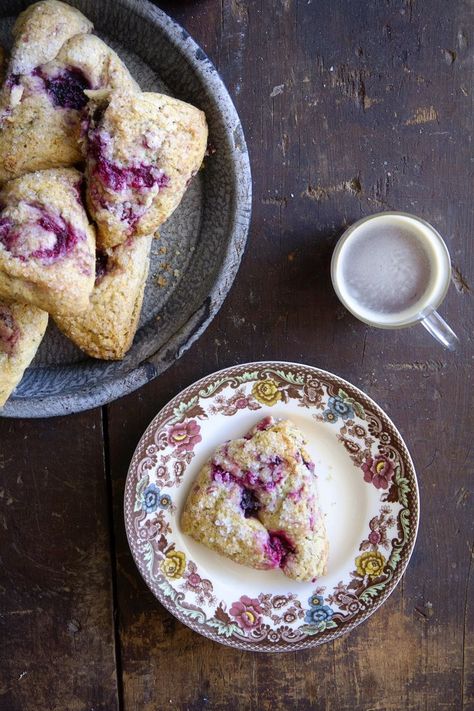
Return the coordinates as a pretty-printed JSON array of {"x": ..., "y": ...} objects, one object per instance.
[
  {"x": 330, "y": 416},
  {"x": 316, "y": 600},
  {"x": 316, "y": 615},
  {"x": 339, "y": 408},
  {"x": 318, "y": 612},
  {"x": 164, "y": 501},
  {"x": 151, "y": 498}
]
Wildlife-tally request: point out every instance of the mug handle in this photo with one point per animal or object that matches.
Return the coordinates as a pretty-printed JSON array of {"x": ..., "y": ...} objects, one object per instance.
[{"x": 440, "y": 330}]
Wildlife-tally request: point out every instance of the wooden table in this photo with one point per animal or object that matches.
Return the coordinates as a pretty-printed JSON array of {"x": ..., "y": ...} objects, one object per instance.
[{"x": 349, "y": 108}]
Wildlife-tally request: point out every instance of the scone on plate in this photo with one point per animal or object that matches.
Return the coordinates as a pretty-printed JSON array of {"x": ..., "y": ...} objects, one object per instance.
[
  {"x": 41, "y": 30},
  {"x": 41, "y": 111},
  {"x": 141, "y": 152},
  {"x": 21, "y": 329},
  {"x": 256, "y": 502},
  {"x": 106, "y": 329},
  {"x": 47, "y": 246}
]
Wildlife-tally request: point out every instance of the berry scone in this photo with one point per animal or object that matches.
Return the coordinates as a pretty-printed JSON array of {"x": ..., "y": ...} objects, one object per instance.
[
  {"x": 256, "y": 502},
  {"x": 41, "y": 30},
  {"x": 106, "y": 330},
  {"x": 141, "y": 152},
  {"x": 47, "y": 246},
  {"x": 40, "y": 112},
  {"x": 21, "y": 329}
]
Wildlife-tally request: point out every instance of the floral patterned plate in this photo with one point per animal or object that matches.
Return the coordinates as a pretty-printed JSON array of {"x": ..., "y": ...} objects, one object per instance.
[{"x": 367, "y": 487}]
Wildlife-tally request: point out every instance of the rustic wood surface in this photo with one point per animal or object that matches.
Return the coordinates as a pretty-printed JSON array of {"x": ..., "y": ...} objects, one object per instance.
[{"x": 348, "y": 108}]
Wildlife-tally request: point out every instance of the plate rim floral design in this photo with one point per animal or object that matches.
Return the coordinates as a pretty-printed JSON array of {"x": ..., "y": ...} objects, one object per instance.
[{"x": 381, "y": 574}]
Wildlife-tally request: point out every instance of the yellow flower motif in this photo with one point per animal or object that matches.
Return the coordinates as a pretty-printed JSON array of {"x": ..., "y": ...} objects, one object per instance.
[
  {"x": 173, "y": 564},
  {"x": 266, "y": 392},
  {"x": 370, "y": 563}
]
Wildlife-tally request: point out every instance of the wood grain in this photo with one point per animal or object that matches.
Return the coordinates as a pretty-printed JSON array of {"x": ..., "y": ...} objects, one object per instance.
[
  {"x": 348, "y": 109},
  {"x": 56, "y": 626}
]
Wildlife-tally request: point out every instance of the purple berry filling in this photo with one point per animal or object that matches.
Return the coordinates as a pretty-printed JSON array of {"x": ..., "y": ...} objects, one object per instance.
[
  {"x": 80, "y": 190},
  {"x": 130, "y": 216},
  {"x": 12, "y": 80},
  {"x": 230, "y": 473},
  {"x": 249, "y": 503},
  {"x": 66, "y": 237},
  {"x": 9, "y": 236},
  {"x": 85, "y": 126},
  {"x": 274, "y": 465},
  {"x": 9, "y": 331},
  {"x": 101, "y": 265},
  {"x": 118, "y": 178},
  {"x": 297, "y": 494},
  {"x": 6, "y": 238},
  {"x": 138, "y": 177},
  {"x": 309, "y": 465},
  {"x": 248, "y": 481},
  {"x": 279, "y": 547},
  {"x": 221, "y": 476},
  {"x": 251, "y": 479},
  {"x": 67, "y": 88},
  {"x": 265, "y": 424}
]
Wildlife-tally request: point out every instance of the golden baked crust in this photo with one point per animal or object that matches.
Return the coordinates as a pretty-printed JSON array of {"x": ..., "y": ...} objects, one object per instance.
[
  {"x": 255, "y": 502},
  {"x": 141, "y": 152},
  {"x": 36, "y": 136},
  {"x": 47, "y": 247},
  {"x": 40, "y": 32},
  {"x": 40, "y": 113},
  {"x": 106, "y": 330},
  {"x": 102, "y": 67},
  {"x": 21, "y": 330}
]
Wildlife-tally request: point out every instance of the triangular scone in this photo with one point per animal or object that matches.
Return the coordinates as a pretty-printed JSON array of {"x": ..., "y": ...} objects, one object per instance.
[
  {"x": 47, "y": 246},
  {"x": 41, "y": 30},
  {"x": 21, "y": 329},
  {"x": 141, "y": 152},
  {"x": 107, "y": 328},
  {"x": 40, "y": 112},
  {"x": 256, "y": 502}
]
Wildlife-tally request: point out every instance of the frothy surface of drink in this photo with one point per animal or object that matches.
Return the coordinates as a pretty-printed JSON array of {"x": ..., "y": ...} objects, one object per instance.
[
  {"x": 391, "y": 269},
  {"x": 386, "y": 267}
]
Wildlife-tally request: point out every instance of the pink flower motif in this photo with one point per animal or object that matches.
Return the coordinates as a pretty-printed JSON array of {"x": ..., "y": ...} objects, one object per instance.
[
  {"x": 247, "y": 612},
  {"x": 241, "y": 403},
  {"x": 374, "y": 537},
  {"x": 378, "y": 471},
  {"x": 194, "y": 579},
  {"x": 185, "y": 435}
]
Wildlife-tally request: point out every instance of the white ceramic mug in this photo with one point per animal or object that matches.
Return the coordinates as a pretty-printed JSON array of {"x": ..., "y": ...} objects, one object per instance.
[{"x": 392, "y": 270}]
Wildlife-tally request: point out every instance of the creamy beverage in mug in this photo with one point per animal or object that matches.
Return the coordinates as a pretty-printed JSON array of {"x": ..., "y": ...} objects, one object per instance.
[{"x": 392, "y": 270}]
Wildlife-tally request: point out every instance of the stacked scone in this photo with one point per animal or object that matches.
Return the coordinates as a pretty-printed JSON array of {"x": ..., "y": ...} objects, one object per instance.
[{"x": 90, "y": 167}]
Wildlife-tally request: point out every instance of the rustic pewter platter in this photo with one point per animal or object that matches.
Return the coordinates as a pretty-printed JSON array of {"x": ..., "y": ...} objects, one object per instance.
[
  {"x": 367, "y": 488},
  {"x": 196, "y": 259}
]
